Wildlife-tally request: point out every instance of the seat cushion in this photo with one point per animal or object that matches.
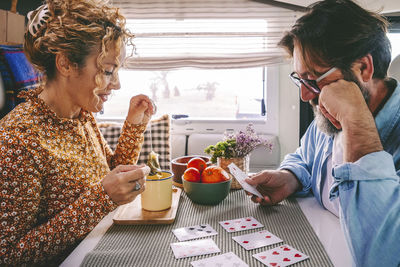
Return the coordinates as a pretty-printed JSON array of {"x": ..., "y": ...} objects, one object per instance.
[{"x": 159, "y": 134}]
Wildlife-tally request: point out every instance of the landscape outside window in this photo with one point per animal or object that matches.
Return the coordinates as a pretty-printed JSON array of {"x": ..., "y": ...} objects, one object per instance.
[{"x": 198, "y": 93}]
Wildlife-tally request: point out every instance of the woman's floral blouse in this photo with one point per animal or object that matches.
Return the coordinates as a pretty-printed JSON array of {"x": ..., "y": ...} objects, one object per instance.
[{"x": 50, "y": 173}]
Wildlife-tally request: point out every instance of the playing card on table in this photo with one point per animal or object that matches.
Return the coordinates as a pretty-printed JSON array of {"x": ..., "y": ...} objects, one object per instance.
[
  {"x": 193, "y": 232},
  {"x": 283, "y": 255},
  {"x": 194, "y": 248},
  {"x": 240, "y": 224},
  {"x": 256, "y": 240},
  {"x": 240, "y": 177},
  {"x": 224, "y": 260}
]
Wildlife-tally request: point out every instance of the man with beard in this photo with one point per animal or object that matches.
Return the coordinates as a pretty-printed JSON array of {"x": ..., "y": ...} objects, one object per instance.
[{"x": 349, "y": 158}]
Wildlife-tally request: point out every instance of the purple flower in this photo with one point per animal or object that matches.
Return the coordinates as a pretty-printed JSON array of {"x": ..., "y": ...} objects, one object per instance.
[{"x": 246, "y": 141}]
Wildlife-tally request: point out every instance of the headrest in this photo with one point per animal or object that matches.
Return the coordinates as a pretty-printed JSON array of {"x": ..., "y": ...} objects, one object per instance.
[{"x": 394, "y": 68}]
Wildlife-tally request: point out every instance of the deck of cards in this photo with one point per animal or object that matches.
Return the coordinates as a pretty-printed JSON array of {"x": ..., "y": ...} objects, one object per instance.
[{"x": 283, "y": 255}]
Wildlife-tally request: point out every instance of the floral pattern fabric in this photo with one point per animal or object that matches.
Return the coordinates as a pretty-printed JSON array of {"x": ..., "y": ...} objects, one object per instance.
[{"x": 50, "y": 180}]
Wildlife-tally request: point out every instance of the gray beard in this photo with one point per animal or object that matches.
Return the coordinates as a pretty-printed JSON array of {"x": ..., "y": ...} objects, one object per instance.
[{"x": 325, "y": 125}]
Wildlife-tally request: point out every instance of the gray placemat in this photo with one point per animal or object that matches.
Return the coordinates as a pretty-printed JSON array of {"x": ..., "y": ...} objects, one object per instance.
[{"x": 149, "y": 245}]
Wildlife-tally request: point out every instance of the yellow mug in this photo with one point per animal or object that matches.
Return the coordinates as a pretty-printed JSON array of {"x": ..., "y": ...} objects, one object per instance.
[{"x": 157, "y": 194}]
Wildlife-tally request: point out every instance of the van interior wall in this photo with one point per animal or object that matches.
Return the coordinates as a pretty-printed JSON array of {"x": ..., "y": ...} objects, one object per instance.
[{"x": 288, "y": 111}]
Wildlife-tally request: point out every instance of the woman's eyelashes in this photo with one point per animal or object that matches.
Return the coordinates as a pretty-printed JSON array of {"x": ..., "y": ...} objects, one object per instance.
[{"x": 108, "y": 73}]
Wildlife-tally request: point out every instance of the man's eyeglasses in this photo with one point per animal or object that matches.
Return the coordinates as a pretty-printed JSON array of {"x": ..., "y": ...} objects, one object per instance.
[{"x": 311, "y": 85}]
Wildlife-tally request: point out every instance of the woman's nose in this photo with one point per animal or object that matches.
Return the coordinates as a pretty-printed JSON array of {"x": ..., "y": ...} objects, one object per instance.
[
  {"x": 305, "y": 94},
  {"x": 115, "y": 83}
]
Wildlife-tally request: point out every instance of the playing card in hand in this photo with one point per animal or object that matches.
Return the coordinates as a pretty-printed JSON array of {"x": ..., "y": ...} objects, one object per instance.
[
  {"x": 194, "y": 248},
  {"x": 283, "y": 255},
  {"x": 225, "y": 260},
  {"x": 240, "y": 224},
  {"x": 193, "y": 232},
  {"x": 256, "y": 240},
  {"x": 240, "y": 176}
]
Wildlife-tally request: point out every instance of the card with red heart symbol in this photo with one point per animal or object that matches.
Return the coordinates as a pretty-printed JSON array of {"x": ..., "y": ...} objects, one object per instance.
[
  {"x": 224, "y": 260},
  {"x": 256, "y": 240},
  {"x": 281, "y": 256},
  {"x": 240, "y": 224}
]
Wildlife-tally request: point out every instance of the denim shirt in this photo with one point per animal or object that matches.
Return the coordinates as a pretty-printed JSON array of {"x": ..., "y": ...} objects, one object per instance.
[{"x": 368, "y": 189}]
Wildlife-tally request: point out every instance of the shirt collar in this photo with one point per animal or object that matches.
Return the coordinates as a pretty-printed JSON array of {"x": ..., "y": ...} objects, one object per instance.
[
  {"x": 389, "y": 114},
  {"x": 33, "y": 96}
]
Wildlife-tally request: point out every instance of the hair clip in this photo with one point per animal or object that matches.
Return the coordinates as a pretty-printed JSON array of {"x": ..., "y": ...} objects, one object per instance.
[{"x": 40, "y": 18}]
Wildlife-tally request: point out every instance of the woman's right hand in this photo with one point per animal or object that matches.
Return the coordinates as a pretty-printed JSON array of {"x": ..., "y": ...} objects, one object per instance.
[{"x": 120, "y": 183}]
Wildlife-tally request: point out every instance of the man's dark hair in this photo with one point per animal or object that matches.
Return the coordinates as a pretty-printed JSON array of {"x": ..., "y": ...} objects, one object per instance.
[{"x": 338, "y": 32}]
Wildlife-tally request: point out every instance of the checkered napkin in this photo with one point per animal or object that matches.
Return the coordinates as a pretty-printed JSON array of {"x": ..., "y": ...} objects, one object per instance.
[{"x": 160, "y": 136}]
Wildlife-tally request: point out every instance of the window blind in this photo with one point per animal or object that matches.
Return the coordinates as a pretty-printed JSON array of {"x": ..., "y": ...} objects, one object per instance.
[{"x": 204, "y": 34}]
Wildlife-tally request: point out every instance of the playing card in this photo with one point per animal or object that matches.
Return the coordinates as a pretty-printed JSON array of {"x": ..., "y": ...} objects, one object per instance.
[
  {"x": 194, "y": 248},
  {"x": 256, "y": 240},
  {"x": 228, "y": 260},
  {"x": 193, "y": 232},
  {"x": 240, "y": 224},
  {"x": 240, "y": 176},
  {"x": 283, "y": 255}
]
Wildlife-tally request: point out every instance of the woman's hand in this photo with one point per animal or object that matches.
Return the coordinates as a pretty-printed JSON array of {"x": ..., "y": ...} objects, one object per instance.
[
  {"x": 141, "y": 108},
  {"x": 120, "y": 183}
]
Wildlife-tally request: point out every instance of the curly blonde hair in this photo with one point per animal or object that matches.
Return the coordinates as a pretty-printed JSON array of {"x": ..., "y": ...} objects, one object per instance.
[{"x": 75, "y": 29}]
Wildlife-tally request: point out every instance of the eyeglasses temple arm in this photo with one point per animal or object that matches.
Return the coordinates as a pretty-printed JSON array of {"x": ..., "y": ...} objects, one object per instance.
[{"x": 326, "y": 74}]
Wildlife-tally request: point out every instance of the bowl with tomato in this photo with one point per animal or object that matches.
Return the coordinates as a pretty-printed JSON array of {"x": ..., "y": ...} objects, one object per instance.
[
  {"x": 209, "y": 186},
  {"x": 180, "y": 164}
]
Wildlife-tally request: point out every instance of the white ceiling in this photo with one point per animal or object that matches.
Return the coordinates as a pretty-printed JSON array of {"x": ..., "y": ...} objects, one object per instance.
[{"x": 387, "y": 6}]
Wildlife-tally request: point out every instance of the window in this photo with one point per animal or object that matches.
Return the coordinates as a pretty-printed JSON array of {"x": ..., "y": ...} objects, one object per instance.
[
  {"x": 205, "y": 59},
  {"x": 197, "y": 93},
  {"x": 395, "y": 41},
  {"x": 198, "y": 68}
]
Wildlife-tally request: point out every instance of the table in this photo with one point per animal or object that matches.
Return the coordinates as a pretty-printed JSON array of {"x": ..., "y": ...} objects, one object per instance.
[{"x": 325, "y": 225}]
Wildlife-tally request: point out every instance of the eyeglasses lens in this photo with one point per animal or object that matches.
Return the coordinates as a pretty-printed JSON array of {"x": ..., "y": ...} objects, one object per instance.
[{"x": 311, "y": 85}]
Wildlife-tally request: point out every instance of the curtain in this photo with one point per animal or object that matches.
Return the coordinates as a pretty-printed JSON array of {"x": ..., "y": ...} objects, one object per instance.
[{"x": 208, "y": 34}]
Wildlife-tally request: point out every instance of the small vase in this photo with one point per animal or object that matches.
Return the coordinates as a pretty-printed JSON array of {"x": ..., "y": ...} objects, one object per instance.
[{"x": 242, "y": 163}]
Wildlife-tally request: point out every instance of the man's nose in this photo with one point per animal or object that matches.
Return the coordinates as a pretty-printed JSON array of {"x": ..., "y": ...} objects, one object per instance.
[{"x": 305, "y": 94}]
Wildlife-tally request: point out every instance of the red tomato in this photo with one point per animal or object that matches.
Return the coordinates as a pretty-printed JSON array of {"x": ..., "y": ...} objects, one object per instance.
[
  {"x": 192, "y": 175},
  {"x": 214, "y": 174},
  {"x": 197, "y": 163}
]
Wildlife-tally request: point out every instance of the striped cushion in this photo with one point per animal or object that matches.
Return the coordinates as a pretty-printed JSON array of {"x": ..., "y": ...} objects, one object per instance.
[{"x": 159, "y": 136}]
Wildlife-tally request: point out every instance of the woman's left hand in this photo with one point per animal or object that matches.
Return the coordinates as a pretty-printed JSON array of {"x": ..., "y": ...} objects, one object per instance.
[{"x": 141, "y": 108}]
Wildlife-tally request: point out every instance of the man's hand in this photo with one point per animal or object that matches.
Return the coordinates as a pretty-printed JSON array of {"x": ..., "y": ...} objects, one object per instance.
[
  {"x": 275, "y": 186},
  {"x": 343, "y": 104},
  {"x": 342, "y": 101},
  {"x": 120, "y": 183}
]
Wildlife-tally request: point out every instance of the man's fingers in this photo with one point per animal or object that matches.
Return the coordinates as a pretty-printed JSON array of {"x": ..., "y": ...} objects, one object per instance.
[
  {"x": 256, "y": 179},
  {"x": 335, "y": 122}
]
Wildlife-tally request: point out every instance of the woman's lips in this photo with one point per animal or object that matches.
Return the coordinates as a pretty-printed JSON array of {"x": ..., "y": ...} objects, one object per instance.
[{"x": 104, "y": 97}]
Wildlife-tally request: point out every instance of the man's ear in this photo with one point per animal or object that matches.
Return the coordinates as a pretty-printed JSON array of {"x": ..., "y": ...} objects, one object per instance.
[
  {"x": 63, "y": 65},
  {"x": 365, "y": 67}
]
